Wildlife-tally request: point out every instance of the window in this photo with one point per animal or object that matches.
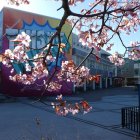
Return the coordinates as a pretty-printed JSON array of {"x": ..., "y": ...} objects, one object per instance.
[{"x": 136, "y": 72}]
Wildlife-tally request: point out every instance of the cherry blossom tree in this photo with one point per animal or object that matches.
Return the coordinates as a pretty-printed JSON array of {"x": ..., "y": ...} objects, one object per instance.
[{"x": 96, "y": 27}]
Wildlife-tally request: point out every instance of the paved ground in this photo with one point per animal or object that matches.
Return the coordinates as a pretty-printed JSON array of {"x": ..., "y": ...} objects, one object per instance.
[{"x": 17, "y": 119}]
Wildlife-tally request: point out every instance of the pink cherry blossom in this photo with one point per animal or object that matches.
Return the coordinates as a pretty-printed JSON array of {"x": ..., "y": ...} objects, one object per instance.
[
  {"x": 62, "y": 108},
  {"x": 23, "y": 38},
  {"x": 117, "y": 59},
  {"x": 72, "y": 74},
  {"x": 134, "y": 53}
]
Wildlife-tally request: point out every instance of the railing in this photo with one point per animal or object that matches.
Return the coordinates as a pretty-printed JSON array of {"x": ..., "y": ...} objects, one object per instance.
[{"x": 131, "y": 118}]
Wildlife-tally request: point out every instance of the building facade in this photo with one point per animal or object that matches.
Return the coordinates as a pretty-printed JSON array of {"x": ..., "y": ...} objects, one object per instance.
[
  {"x": 130, "y": 70},
  {"x": 137, "y": 69},
  {"x": 104, "y": 68},
  {"x": 127, "y": 71},
  {"x": 40, "y": 28},
  {"x": 137, "y": 72}
]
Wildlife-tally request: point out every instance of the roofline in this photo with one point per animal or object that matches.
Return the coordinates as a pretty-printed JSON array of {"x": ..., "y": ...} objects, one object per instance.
[{"x": 5, "y": 7}]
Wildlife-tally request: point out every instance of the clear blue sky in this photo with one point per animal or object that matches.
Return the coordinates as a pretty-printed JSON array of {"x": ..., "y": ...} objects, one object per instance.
[{"x": 49, "y": 8}]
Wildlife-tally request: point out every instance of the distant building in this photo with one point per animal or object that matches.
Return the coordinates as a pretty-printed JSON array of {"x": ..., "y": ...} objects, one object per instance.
[
  {"x": 137, "y": 71},
  {"x": 131, "y": 70},
  {"x": 137, "y": 68},
  {"x": 127, "y": 72}
]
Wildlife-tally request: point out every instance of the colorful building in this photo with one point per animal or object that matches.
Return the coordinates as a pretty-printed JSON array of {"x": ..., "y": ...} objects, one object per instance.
[{"x": 40, "y": 28}]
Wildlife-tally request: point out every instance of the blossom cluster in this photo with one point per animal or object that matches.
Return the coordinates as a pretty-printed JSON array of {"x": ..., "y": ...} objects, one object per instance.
[
  {"x": 18, "y": 54},
  {"x": 134, "y": 53},
  {"x": 97, "y": 31},
  {"x": 62, "y": 108},
  {"x": 71, "y": 73},
  {"x": 117, "y": 59},
  {"x": 36, "y": 67},
  {"x": 53, "y": 86},
  {"x": 33, "y": 69},
  {"x": 23, "y": 78}
]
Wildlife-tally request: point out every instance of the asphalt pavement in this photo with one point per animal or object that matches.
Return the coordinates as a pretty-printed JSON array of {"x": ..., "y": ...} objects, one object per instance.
[{"x": 29, "y": 119}]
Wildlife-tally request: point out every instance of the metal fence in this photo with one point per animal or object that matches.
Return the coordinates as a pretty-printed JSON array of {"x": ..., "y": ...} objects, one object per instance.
[{"x": 131, "y": 118}]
